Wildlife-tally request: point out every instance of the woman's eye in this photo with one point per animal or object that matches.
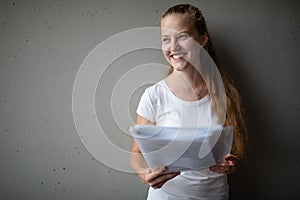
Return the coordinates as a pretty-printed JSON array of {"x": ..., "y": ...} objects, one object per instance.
[
  {"x": 165, "y": 40},
  {"x": 183, "y": 37}
]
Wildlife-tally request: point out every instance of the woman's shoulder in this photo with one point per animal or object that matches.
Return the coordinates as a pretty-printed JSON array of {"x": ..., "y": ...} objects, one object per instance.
[{"x": 157, "y": 88}]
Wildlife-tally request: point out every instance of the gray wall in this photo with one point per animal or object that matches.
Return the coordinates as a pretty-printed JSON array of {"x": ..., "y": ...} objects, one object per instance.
[{"x": 42, "y": 46}]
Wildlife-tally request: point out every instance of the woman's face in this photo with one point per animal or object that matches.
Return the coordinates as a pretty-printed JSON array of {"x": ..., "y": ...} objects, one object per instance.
[{"x": 180, "y": 40}]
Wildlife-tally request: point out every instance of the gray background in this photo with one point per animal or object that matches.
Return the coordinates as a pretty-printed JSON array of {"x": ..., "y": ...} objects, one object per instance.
[{"x": 42, "y": 45}]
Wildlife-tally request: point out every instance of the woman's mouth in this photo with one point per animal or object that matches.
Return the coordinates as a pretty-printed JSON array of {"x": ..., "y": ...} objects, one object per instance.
[{"x": 178, "y": 56}]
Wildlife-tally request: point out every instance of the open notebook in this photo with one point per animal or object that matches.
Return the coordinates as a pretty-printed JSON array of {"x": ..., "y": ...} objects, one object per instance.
[{"x": 182, "y": 148}]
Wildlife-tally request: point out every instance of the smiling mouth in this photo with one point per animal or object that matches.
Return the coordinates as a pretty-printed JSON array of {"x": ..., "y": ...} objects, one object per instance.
[{"x": 178, "y": 56}]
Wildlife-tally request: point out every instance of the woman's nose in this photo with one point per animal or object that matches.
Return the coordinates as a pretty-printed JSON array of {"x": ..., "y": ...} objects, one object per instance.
[{"x": 174, "y": 45}]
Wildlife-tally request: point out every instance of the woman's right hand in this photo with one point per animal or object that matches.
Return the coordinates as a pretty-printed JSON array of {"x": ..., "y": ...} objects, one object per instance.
[{"x": 156, "y": 179}]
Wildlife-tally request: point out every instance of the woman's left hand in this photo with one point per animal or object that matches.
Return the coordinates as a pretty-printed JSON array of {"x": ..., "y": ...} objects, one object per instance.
[{"x": 230, "y": 165}]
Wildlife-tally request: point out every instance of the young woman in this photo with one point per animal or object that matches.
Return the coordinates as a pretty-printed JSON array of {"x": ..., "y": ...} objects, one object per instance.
[{"x": 183, "y": 96}]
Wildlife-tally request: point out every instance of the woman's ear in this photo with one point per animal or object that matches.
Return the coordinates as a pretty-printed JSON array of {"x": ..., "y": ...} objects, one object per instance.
[{"x": 203, "y": 39}]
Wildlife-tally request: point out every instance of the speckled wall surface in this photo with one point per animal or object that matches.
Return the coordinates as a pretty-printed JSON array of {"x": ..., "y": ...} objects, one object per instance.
[{"x": 42, "y": 46}]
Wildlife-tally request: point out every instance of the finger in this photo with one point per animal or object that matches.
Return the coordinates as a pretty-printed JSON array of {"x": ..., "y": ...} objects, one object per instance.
[
  {"x": 233, "y": 160},
  {"x": 231, "y": 157},
  {"x": 154, "y": 174},
  {"x": 217, "y": 169},
  {"x": 223, "y": 168},
  {"x": 227, "y": 168},
  {"x": 159, "y": 185},
  {"x": 159, "y": 181}
]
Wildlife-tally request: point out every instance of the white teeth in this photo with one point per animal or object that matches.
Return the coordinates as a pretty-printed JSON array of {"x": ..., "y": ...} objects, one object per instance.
[{"x": 177, "y": 56}]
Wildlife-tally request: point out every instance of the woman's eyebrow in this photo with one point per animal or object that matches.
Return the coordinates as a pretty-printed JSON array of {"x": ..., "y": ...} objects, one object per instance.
[{"x": 188, "y": 32}]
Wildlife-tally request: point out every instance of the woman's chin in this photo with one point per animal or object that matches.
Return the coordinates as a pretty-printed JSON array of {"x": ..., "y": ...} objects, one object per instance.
[
  {"x": 179, "y": 69},
  {"x": 179, "y": 66}
]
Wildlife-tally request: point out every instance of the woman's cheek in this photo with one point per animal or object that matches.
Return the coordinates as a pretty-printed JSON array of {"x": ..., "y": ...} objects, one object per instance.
[{"x": 166, "y": 55}]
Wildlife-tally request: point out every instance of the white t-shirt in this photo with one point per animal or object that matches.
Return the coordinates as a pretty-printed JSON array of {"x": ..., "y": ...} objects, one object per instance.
[{"x": 159, "y": 105}]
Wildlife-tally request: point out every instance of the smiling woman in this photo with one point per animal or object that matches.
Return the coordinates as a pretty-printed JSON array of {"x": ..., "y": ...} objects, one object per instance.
[{"x": 191, "y": 96}]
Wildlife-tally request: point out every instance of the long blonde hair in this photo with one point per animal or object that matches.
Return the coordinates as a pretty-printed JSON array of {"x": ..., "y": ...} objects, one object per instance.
[{"x": 234, "y": 112}]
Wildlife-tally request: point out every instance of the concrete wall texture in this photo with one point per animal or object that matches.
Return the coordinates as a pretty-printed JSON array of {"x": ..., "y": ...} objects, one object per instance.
[{"x": 42, "y": 46}]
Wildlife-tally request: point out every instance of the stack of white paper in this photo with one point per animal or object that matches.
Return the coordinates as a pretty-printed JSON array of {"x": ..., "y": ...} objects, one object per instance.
[{"x": 183, "y": 148}]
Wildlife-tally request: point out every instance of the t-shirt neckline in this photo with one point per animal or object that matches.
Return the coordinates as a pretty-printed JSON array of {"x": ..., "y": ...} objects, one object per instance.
[{"x": 189, "y": 103}]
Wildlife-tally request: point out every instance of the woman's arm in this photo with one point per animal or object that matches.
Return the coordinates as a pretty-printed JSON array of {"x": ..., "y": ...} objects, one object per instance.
[{"x": 153, "y": 178}]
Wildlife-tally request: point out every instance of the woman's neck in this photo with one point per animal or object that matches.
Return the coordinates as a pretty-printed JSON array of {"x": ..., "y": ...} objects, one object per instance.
[
  {"x": 190, "y": 78},
  {"x": 187, "y": 85}
]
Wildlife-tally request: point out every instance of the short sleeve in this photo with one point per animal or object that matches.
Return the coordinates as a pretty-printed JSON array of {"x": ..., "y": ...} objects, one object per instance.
[{"x": 146, "y": 107}]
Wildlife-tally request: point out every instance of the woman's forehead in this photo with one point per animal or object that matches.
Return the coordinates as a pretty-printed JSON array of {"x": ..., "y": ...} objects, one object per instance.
[{"x": 176, "y": 23}]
